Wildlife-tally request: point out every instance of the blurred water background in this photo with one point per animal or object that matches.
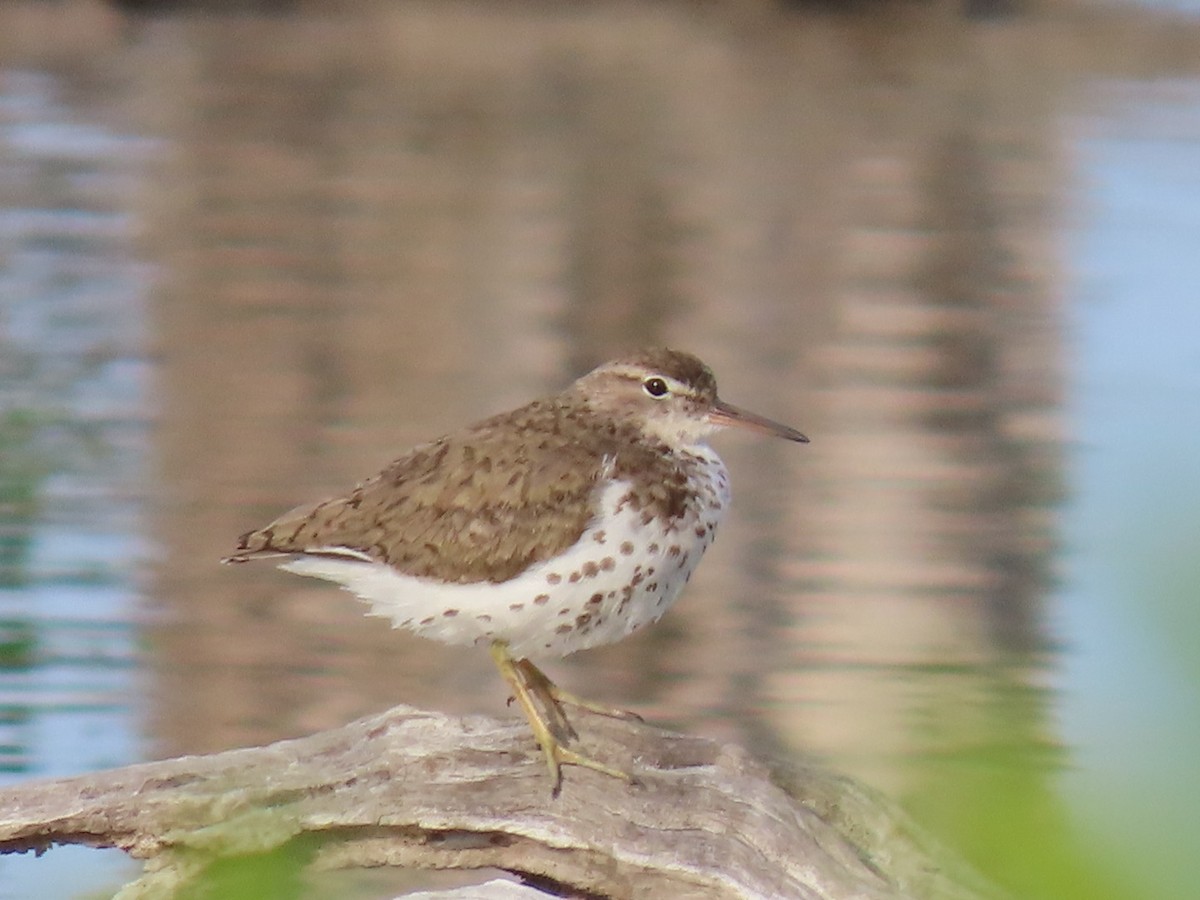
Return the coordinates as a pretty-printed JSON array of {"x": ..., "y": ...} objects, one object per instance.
[{"x": 249, "y": 252}]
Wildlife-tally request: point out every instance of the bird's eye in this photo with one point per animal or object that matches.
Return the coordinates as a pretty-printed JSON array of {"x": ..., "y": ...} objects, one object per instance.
[{"x": 655, "y": 387}]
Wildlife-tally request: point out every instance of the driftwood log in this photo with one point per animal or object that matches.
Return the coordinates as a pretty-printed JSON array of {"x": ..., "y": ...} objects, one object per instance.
[{"x": 420, "y": 789}]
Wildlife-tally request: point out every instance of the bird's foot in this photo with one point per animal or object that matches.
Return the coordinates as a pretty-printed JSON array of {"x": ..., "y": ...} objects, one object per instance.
[
  {"x": 550, "y": 729},
  {"x": 555, "y": 697},
  {"x": 558, "y": 755},
  {"x": 558, "y": 695}
]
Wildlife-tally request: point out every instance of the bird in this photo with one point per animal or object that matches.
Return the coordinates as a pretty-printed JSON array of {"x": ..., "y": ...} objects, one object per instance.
[{"x": 567, "y": 523}]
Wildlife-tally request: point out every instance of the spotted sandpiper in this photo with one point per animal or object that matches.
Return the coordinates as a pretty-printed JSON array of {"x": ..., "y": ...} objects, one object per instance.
[{"x": 562, "y": 525}]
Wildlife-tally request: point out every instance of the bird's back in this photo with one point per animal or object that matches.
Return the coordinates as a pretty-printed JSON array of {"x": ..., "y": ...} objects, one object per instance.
[{"x": 482, "y": 504}]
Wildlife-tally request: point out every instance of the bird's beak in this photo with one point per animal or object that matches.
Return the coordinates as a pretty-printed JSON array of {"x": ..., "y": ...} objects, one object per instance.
[{"x": 724, "y": 414}]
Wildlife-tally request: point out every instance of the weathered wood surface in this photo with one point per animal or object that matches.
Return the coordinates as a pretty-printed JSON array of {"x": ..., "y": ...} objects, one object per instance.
[{"x": 420, "y": 789}]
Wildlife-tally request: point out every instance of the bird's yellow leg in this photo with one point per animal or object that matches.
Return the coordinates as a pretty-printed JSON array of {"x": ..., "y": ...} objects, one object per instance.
[
  {"x": 555, "y": 696},
  {"x": 540, "y": 686},
  {"x": 556, "y": 754}
]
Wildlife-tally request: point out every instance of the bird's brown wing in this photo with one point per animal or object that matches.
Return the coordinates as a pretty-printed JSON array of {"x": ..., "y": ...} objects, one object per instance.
[{"x": 474, "y": 506}]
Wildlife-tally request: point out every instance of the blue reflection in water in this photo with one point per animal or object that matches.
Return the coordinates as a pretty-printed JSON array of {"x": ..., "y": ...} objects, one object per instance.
[
  {"x": 1131, "y": 599},
  {"x": 73, "y": 423}
]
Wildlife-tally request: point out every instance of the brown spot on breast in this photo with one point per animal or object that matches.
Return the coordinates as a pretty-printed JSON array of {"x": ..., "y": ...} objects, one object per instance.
[
  {"x": 590, "y": 569},
  {"x": 517, "y": 607},
  {"x": 582, "y": 620},
  {"x": 541, "y": 599},
  {"x": 450, "y": 613},
  {"x": 652, "y": 587},
  {"x": 563, "y": 629},
  {"x": 701, "y": 531},
  {"x": 653, "y": 548},
  {"x": 627, "y": 548},
  {"x": 607, "y": 564},
  {"x": 600, "y": 537},
  {"x": 595, "y": 599},
  {"x": 575, "y": 576},
  {"x": 675, "y": 550},
  {"x": 428, "y": 620},
  {"x": 483, "y": 618},
  {"x": 553, "y": 578}
]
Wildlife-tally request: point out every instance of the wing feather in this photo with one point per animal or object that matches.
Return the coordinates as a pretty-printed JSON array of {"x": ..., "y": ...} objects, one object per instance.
[{"x": 473, "y": 506}]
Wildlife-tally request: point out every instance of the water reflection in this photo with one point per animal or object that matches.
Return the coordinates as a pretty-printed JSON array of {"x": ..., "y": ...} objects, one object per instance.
[
  {"x": 73, "y": 439},
  {"x": 377, "y": 228}
]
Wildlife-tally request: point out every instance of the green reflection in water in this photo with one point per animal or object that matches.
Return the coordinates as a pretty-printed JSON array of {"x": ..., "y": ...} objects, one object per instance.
[{"x": 21, "y": 472}]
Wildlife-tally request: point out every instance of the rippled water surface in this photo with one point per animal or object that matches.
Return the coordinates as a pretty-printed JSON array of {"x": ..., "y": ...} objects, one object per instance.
[
  {"x": 248, "y": 259},
  {"x": 75, "y": 414}
]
